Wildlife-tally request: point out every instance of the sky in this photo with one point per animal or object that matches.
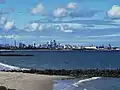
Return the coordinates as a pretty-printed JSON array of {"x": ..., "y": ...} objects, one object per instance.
[{"x": 83, "y": 22}]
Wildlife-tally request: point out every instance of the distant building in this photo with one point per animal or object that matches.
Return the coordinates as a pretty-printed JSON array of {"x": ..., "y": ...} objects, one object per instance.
[
  {"x": 91, "y": 47},
  {"x": 15, "y": 43},
  {"x": 7, "y": 45},
  {"x": 21, "y": 45}
]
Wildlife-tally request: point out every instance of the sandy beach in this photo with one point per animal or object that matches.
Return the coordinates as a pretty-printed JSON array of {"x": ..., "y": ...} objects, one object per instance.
[{"x": 25, "y": 81}]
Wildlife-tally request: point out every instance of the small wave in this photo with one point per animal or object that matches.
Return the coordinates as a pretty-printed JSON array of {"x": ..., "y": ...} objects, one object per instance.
[
  {"x": 76, "y": 84},
  {"x": 4, "y": 66}
]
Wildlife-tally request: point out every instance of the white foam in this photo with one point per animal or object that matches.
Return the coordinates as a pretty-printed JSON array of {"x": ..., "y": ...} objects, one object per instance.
[
  {"x": 10, "y": 67},
  {"x": 76, "y": 84}
]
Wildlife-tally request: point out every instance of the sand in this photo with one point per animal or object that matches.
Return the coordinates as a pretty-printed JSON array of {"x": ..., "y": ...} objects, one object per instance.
[{"x": 25, "y": 81}]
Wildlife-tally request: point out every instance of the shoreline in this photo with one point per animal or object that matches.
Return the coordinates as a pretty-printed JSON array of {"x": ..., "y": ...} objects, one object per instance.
[
  {"x": 27, "y": 81},
  {"x": 39, "y": 80},
  {"x": 13, "y": 50},
  {"x": 76, "y": 73}
]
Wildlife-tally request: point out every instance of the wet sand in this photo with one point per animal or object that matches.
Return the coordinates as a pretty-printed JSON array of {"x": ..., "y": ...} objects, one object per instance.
[{"x": 25, "y": 81}]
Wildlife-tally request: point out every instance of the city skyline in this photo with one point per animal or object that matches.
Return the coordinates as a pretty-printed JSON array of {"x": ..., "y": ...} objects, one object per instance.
[{"x": 83, "y": 22}]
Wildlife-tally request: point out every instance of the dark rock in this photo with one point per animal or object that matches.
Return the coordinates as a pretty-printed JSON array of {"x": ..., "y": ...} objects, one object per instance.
[{"x": 3, "y": 88}]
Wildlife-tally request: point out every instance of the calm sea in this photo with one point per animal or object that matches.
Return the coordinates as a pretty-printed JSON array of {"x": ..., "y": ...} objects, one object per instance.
[{"x": 64, "y": 59}]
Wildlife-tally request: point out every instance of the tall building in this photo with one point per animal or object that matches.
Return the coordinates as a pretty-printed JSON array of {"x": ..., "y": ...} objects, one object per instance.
[
  {"x": 54, "y": 44},
  {"x": 15, "y": 44},
  {"x": 22, "y": 45}
]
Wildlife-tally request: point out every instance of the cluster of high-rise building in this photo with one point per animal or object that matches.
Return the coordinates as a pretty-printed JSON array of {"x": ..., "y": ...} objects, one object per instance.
[
  {"x": 48, "y": 45},
  {"x": 53, "y": 45}
]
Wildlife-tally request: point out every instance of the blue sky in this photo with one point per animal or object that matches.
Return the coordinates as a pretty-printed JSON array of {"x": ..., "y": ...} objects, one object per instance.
[{"x": 82, "y": 22}]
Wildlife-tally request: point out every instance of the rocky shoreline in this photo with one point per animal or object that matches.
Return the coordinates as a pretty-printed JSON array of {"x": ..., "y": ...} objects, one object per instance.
[{"x": 114, "y": 73}]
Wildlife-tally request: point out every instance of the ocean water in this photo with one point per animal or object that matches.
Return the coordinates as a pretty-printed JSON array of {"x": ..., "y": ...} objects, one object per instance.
[
  {"x": 68, "y": 60},
  {"x": 64, "y": 59},
  {"x": 100, "y": 84}
]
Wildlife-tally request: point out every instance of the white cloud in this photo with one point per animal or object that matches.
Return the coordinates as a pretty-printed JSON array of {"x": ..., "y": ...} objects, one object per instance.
[
  {"x": 3, "y": 20},
  {"x": 40, "y": 27},
  {"x": 94, "y": 26},
  {"x": 5, "y": 24},
  {"x": 64, "y": 27},
  {"x": 67, "y": 27},
  {"x": 103, "y": 36},
  {"x": 64, "y": 11},
  {"x": 60, "y": 12},
  {"x": 38, "y": 9},
  {"x": 9, "y": 36},
  {"x": 68, "y": 31},
  {"x": 114, "y": 12},
  {"x": 9, "y": 25},
  {"x": 32, "y": 27},
  {"x": 72, "y": 5}
]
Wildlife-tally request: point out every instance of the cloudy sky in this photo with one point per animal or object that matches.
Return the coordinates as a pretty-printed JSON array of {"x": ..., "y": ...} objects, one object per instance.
[{"x": 82, "y": 22}]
